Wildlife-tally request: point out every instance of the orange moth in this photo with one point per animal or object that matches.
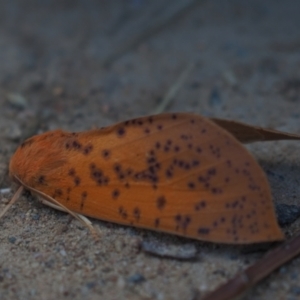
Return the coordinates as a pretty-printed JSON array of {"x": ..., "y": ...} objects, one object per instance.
[{"x": 177, "y": 173}]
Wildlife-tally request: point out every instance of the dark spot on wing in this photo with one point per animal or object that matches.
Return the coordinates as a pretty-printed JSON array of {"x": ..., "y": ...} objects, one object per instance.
[
  {"x": 58, "y": 192},
  {"x": 42, "y": 179},
  {"x": 77, "y": 180},
  {"x": 83, "y": 198},
  {"x": 137, "y": 213},
  {"x": 98, "y": 175},
  {"x": 200, "y": 205},
  {"x": 182, "y": 222},
  {"x": 203, "y": 231},
  {"x": 161, "y": 202},
  {"x": 106, "y": 153},
  {"x": 115, "y": 194},
  {"x": 71, "y": 172},
  {"x": 122, "y": 212},
  {"x": 121, "y": 132},
  {"x": 87, "y": 149},
  {"x": 191, "y": 185},
  {"x": 27, "y": 143}
]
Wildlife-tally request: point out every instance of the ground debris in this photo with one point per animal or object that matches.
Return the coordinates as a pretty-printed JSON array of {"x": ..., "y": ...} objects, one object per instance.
[
  {"x": 287, "y": 214},
  {"x": 180, "y": 252}
]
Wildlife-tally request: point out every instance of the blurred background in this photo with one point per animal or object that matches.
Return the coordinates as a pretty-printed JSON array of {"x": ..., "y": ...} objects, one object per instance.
[{"x": 81, "y": 64}]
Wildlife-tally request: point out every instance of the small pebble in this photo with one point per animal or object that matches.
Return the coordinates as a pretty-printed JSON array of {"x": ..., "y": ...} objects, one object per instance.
[
  {"x": 91, "y": 285},
  {"x": 215, "y": 97},
  {"x": 4, "y": 200},
  {"x": 119, "y": 245},
  {"x": 136, "y": 278},
  {"x": 63, "y": 252},
  {"x": 290, "y": 89},
  {"x": 181, "y": 252},
  {"x": 230, "y": 78},
  {"x": 13, "y": 133},
  {"x": 120, "y": 283},
  {"x": 282, "y": 270},
  {"x": 287, "y": 214},
  {"x": 17, "y": 100},
  {"x": 32, "y": 292},
  {"x": 295, "y": 290},
  {"x": 294, "y": 275},
  {"x": 233, "y": 256},
  {"x": 272, "y": 174},
  {"x": 32, "y": 82},
  {"x": 12, "y": 239},
  {"x": 35, "y": 217},
  {"x": 5, "y": 190},
  {"x": 35, "y": 265}
]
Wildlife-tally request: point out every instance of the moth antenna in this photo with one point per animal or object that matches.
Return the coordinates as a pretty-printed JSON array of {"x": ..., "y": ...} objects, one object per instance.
[
  {"x": 57, "y": 205},
  {"x": 48, "y": 203},
  {"x": 82, "y": 219},
  {"x": 13, "y": 200}
]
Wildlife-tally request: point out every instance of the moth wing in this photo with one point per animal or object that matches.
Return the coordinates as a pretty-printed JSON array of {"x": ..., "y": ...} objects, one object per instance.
[{"x": 177, "y": 173}]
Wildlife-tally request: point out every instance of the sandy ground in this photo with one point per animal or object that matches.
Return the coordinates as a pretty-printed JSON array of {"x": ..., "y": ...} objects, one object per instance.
[{"x": 246, "y": 62}]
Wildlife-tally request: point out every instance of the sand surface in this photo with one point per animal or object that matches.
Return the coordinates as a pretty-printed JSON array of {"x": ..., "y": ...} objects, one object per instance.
[{"x": 245, "y": 58}]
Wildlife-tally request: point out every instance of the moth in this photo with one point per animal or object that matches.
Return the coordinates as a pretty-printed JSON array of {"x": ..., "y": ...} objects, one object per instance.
[{"x": 178, "y": 173}]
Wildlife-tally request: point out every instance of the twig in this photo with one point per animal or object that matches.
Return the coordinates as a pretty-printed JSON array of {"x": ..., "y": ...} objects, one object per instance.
[
  {"x": 12, "y": 201},
  {"x": 258, "y": 271},
  {"x": 173, "y": 90}
]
